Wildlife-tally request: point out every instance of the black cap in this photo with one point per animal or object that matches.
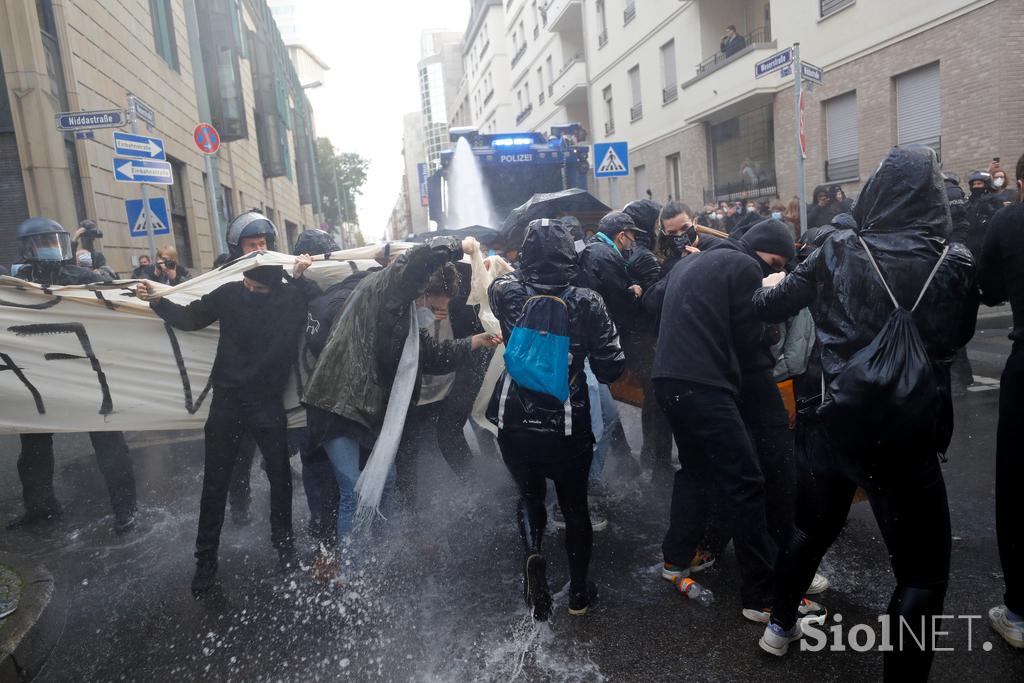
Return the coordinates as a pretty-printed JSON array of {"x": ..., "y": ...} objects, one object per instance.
[
  {"x": 771, "y": 237},
  {"x": 615, "y": 222}
]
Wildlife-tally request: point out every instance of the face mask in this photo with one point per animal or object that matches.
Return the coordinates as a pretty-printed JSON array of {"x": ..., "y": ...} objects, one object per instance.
[
  {"x": 250, "y": 298},
  {"x": 776, "y": 215},
  {"x": 424, "y": 316},
  {"x": 48, "y": 254},
  {"x": 85, "y": 260},
  {"x": 977, "y": 191},
  {"x": 766, "y": 268},
  {"x": 998, "y": 182}
]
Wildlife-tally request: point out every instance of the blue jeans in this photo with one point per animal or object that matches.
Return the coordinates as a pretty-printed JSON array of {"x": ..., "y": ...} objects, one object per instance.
[
  {"x": 344, "y": 455},
  {"x": 603, "y": 416}
]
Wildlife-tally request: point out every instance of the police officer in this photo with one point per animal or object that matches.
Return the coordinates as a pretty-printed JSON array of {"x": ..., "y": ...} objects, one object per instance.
[
  {"x": 982, "y": 206},
  {"x": 48, "y": 254},
  {"x": 957, "y": 208},
  {"x": 249, "y": 232}
]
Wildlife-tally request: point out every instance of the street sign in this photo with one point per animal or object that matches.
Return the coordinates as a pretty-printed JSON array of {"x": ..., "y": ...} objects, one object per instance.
[
  {"x": 85, "y": 135},
  {"x": 206, "y": 137},
  {"x": 774, "y": 63},
  {"x": 138, "y": 146},
  {"x": 812, "y": 73},
  {"x": 157, "y": 216},
  {"x": 81, "y": 120},
  {"x": 142, "y": 171},
  {"x": 142, "y": 110},
  {"x": 614, "y": 159}
]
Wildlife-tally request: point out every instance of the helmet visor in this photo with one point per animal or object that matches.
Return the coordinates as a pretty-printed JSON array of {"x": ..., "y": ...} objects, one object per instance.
[{"x": 51, "y": 247}]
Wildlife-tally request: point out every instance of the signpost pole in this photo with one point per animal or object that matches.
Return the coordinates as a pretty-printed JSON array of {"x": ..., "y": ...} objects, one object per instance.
[
  {"x": 612, "y": 198},
  {"x": 798, "y": 78},
  {"x": 145, "y": 195}
]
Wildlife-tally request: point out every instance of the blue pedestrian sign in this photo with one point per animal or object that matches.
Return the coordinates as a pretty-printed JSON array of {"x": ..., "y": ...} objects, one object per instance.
[
  {"x": 157, "y": 217},
  {"x": 138, "y": 146},
  {"x": 142, "y": 171},
  {"x": 611, "y": 159},
  {"x": 774, "y": 63},
  {"x": 84, "y": 120}
]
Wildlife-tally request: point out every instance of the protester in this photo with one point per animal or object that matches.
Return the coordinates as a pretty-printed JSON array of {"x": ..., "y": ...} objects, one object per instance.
[
  {"x": 823, "y": 209},
  {"x": 168, "y": 270},
  {"x": 843, "y": 203},
  {"x": 907, "y": 239},
  {"x": 46, "y": 249},
  {"x": 1002, "y": 279},
  {"x": 792, "y": 216},
  {"x": 347, "y": 394},
  {"x": 708, "y": 313},
  {"x": 542, "y": 437},
  {"x": 1004, "y": 193},
  {"x": 145, "y": 270},
  {"x": 732, "y": 42},
  {"x": 261, "y": 319}
]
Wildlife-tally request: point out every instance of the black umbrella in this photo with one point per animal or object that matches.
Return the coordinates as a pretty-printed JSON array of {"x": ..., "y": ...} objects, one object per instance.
[
  {"x": 548, "y": 205},
  {"x": 482, "y": 233}
]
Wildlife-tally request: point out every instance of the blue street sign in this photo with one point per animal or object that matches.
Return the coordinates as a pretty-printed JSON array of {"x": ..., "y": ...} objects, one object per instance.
[
  {"x": 773, "y": 63},
  {"x": 81, "y": 120},
  {"x": 812, "y": 73},
  {"x": 85, "y": 135},
  {"x": 611, "y": 159},
  {"x": 157, "y": 215},
  {"x": 138, "y": 146},
  {"x": 142, "y": 171},
  {"x": 142, "y": 110}
]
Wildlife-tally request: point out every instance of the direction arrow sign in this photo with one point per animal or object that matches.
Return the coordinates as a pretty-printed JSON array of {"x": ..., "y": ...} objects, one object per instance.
[
  {"x": 80, "y": 120},
  {"x": 157, "y": 216},
  {"x": 773, "y": 63},
  {"x": 142, "y": 171},
  {"x": 614, "y": 159},
  {"x": 138, "y": 146}
]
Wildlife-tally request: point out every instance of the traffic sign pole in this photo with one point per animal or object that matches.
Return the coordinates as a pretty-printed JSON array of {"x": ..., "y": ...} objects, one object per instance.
[
  {"x": 798, "y": 78},
  {"x": 145, "y": 194},
  {"x": 207, "y": 139}
]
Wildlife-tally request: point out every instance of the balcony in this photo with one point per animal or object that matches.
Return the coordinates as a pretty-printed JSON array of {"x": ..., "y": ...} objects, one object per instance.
[
  {"x": 636, "y": 112},
  {"x": 757, "y": 39},
  {"x": 602, "y": 39},
  {"x": 540, "y": 98},
  {"x": 521, "y": 116},
  {"x": 669, "y": 94},
  {"x": 536, "y": 32},
  {"x": 570, "y": 85},
  {"x": 628, "y": 13},
  {"x": 609, "y": 127},
  {"x": 488, "y": 97},
  {"x": 565, "y": 16},
  {"x": 518, "y": 55}
]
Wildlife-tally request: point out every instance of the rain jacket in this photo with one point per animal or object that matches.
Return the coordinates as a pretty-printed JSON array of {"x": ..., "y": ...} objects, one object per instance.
[
  {"x": 548, "y": 266},
  {"x": 904, "y": 218},
  {"x": 353, "y": 376},
  {"x": 603, "y": 269},
  {"x": 822, "y": 215}
]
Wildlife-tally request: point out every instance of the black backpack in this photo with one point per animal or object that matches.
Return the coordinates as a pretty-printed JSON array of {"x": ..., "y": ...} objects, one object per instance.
[
  {"x": 323, "y": 310},
  {"x": 888, "y": 391}
]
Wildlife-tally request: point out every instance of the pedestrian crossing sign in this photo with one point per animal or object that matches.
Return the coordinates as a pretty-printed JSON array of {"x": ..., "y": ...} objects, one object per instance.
[
  {"x": 157, "y": 216},
  {"x": 611, "y": 159}
]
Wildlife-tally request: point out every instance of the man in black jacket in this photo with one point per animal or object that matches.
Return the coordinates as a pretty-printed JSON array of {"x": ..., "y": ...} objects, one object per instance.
[
  {"x": 708, "y": 330},
  {"x": 261, "y": 319},
  {"x": 46, "y": 248},
  {"x": 540, "y": 437}
]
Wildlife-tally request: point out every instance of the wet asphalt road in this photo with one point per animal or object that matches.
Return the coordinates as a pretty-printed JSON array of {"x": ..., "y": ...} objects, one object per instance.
[{"x": 438, "y": 599}]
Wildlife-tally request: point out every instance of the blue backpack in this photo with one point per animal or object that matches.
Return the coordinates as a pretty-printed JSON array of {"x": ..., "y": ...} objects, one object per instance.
[{"x": 537, "y": 352}]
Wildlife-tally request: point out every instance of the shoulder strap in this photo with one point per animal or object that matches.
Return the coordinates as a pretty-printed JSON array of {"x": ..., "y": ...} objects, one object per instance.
[
  {"x": 931, "y": 276},
  {"x": 885, "y": 284}
]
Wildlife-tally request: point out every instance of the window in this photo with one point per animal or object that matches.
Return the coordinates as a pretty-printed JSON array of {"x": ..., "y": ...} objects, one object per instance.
[
  {"x": 640, "y": 174},
  {"x": 636, "y": 111},
  {"x": 227, "y": 205},
  {"x": 179, "y": 212},
  {"x": 918, "y": 108},
  {"x": 602, "y": 37},
  {"x": 163, "y": 32},
  {"x": 526, "y": 92},
  {"x": 218, "y": 21},
  {"x": 842, "y": 138},
  {"x": 829, "y": 7},
  {"x": 669, "y": 90},
  {"x": 628, "y": 11},
  {"x": 540, "y": 84},
  {"x": 672, "y": 175},
  {"x": 550, "y": 66},
  {"x": 609, "y": 111}
]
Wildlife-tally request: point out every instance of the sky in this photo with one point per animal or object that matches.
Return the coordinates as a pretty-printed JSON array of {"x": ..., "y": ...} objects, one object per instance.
[{"x": 372, "y": 49}]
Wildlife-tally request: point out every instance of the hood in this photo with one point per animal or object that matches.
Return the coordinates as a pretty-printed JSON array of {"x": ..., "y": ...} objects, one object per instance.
[
  {"x": 844, "y": 221},
  {"x": 315, "y": 242},
  {"x": 749, "y": 220},
  {"x": 644, "y": 213},
  {"x": 548, "y": 256},
  {"x": 905, "y": 192}
]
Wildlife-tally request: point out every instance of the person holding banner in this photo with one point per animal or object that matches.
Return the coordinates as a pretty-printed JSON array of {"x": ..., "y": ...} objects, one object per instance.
[
  {"x": 261, "y": 320},
  {"x": 47, "y": 250}
]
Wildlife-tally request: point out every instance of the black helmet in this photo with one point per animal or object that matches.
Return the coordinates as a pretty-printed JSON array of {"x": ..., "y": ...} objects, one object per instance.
[
  {"x": 313, "y": 242},
  {"x": 979, "y": 176},
  {"x": 44, "y": 240},
  {"x": 951, "y": 178},
  {"x": 250, "y": 224}
]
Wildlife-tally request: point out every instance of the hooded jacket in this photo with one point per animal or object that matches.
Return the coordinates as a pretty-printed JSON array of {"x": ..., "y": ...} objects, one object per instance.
[
  {"x": 548, "y": 266},
  {"x": 603, "y": 269},
  {"x": 904, "y": 219},
  {"x": 822, "y": 215}
]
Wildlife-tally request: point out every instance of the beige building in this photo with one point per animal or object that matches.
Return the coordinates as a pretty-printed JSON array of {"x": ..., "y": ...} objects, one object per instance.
[
  {"x": 484, "y": 97},
  {"x": 219, "y": 61}
]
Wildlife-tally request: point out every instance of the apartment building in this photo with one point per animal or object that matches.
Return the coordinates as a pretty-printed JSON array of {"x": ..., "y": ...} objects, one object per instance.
[
  {"x": 484, "y": 97},
  {"x": 220, "y": 61},
  {"x": 440, "y": 72}
]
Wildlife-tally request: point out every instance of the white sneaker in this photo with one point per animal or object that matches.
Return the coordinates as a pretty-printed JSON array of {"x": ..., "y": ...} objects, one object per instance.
[
  {"x": 1012, "y": 630},
  {"x": 808, "y": 611},
  {"x": 597, "y": 522},
  {"x": 819, "y": 584},
  {"x": 775, "y": 640}
]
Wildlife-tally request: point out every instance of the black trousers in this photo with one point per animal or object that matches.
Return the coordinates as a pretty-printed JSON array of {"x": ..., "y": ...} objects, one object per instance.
[
  {"x": 656, "y": 451},
  {"x": 35, "y": 468},
  {"x": 240, "y": 490},
  {"x": 425, "y": 424},
  {"x": 716, "y": 455},
  {"x": 1010, "y": 477},
  {"x": 908, "y": 498},
  {"x": 532, "y": 459},
  {"x": 232, "y": 416}
]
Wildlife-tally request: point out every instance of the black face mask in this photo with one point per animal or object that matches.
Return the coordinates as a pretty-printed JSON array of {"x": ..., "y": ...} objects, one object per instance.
[
  {"x": 977, "y": 192},
  {"x": 766, "y": 268},
  {"x": 250, "y": 298},
  {"x": 677, "y": 242}
]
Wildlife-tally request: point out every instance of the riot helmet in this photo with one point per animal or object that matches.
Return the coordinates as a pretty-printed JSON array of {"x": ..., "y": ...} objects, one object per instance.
[
  {"x": 43, "y": 240},
  {"x": 979, "y": 177},
  {"x": 250, "y": 224}
]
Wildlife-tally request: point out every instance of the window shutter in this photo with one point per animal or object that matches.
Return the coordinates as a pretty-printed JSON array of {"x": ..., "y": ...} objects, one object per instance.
[
  {"x": 842, "y": 137},
  {"x": 919, "y": 107}
]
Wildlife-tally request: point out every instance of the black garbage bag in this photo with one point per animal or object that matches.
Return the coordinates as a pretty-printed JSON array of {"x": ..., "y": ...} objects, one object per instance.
[{"x": 888, "y": 392}]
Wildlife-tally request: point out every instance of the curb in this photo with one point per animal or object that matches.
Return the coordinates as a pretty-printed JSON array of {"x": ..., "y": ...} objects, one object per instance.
[{"x": 29, "y": 635}]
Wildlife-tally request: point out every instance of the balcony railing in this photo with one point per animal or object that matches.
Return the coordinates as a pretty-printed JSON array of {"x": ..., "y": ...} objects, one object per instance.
[
  {"x": 609, "y": 127},
  {"x": 765, "y": 186},
  {"x": 487, "y": 98},
  {"x": 602, "y": 39},
  {"x": 669, "y": 94},
  {"x": 628, "y": 12},
  {"x": 524, "y": 113},
  {"x": 636, "y": 112},
  {"x": 540, "y": 97},
  {"x": 536, "y": 32},
  {"x": 519, "y": 54},
  {"x": 551, "y": 89},
  {"x": 759, "y": 36},
  {"x": 483, "y": 48}
]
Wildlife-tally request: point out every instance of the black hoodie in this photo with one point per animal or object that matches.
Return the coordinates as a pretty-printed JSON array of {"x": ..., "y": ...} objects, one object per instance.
[{"x": 547, "y": 264}]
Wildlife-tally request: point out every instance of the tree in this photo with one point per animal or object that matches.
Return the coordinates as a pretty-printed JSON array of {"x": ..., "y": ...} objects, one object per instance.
[{"x": 341, "y": 177}]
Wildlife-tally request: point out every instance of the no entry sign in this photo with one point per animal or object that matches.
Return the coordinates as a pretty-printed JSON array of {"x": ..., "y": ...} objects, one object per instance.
[{"x": 207, "y": 139}]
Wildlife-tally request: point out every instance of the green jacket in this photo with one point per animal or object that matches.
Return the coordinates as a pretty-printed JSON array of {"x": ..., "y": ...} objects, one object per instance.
[{"x": 354, "y": 373}]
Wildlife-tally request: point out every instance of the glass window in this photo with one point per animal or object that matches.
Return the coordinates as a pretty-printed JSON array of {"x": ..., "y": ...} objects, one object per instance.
[
  {"x": 179, "y": 212},
  {"x": 743, "y": 154},
  {"x": 163, "y": 31},
  {"x": 672, "y": 175}
]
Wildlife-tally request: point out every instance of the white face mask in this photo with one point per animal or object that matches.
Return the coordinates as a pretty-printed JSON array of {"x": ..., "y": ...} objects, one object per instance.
[
  {"x": 424, "y": 316},
  {"x": 998, "y": 182}
]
